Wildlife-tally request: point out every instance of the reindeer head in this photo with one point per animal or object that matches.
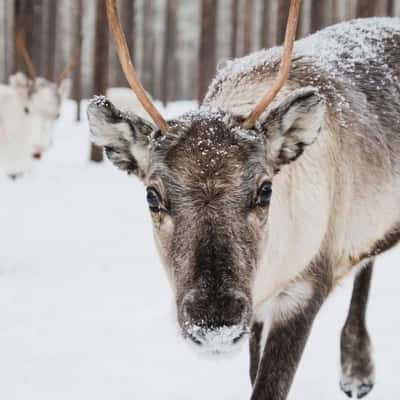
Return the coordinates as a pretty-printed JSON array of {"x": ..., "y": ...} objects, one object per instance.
[
  {"x": 39, "y": 105},
  {"x": 209, "y": 186},
  {"x": 39, "y": 99}
]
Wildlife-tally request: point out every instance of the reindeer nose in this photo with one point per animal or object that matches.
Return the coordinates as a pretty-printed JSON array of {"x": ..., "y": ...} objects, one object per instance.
[
  {"x": 37, "y": 155},
  {"x": 215, "y": 321}
]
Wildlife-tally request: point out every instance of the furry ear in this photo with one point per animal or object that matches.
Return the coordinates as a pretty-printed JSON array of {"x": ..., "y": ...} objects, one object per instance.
[
  {"x": 64, "y": 88},
  {"x": 21, "y": 83},
  {"x": 125, "y": 137},
  {"x": 293, "y": 124}
]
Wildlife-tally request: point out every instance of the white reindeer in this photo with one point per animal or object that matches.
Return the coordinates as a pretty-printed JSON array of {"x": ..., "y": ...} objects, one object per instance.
[
  {"x": 29, "y": 109},
  {"x": 262, "y": 204}
]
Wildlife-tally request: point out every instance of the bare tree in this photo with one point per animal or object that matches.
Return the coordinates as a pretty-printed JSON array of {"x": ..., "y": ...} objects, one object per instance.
[
  {"x": 170, "y": 73},
  {"x": 368, "y": 8},
  {"x": 50, "y": 29},
  {"x": 390, "y": 7},
  {"x": 148, "y": 46},
  {"x": 207, "y": 50},
  {"x": 334, "y": 12},
  {"x": 265, "y": 30},
  {"x": 77, "y": 80},
  {"x": 234, "y": 30},
  {"x": 248, "y": 26},
  {"x": 100, "y": 64},
  {"x": 6, "y": 37},
  {"x": 127, "y": 16},
  {"x": 283, "y": 12},
  {"x": 318, "y": 13}
]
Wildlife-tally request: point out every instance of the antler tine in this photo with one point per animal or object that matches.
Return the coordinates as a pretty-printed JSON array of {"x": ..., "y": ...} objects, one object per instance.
[
  {"x": 284, "y": 68},
  {"x": 128, "y": 68},
  {"x": 70, "y": 66},
  {"x": 20, "y": 44}
]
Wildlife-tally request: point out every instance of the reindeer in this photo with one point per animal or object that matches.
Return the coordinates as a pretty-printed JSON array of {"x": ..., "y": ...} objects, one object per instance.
[
  {"x": 263, "y": 203},
  {"x": 30, "y": 107}
]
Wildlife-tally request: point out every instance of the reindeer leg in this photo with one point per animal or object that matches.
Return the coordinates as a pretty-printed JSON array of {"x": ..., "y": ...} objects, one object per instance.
[
  {"x": 255, "y": 347},
  {"x": 357, "y": 365},
  {"x": 287, "y": 321}
]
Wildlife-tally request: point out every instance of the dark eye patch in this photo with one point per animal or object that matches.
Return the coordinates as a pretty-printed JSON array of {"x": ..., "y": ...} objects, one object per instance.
[
  {"x": 153, "y": 200},
  {"x": 264, "y": 194}
]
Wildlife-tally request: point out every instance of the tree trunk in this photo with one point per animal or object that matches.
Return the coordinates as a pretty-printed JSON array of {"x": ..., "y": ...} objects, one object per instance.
[
  {"x": 234, "y": 31},
  {"x": 127, "y": 15},
  {"x": 317, "y": 15},
  {"x": 51, "y": 33},
  {"x": 390, "y": 8},
  {"x": 77, "y": 81},
  {"x": 148, "y": 48},
  {"x": 170, "y": 73},
  {"x": 100, "y": 64},
  {"x": 334, "y": 17},
  {"x": 8, "y": 42},
  {"x": 207, "y": 50},
  {"x": 368, "y": 8},
  {"x": 265, "y": 30},
  {"x": 248, "y": 27},
  {"x": 283, "y": 12}
]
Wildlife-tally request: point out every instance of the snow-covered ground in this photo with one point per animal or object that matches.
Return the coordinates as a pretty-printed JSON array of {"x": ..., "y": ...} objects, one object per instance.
[{"x": 86, "y": 311}]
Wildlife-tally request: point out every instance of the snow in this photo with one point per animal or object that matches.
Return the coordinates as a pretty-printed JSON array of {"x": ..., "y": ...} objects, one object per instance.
[
  {"x": 335, "y": 49},
  {"x": 86, "y": 311},
  {"x": 330, "y": 59}
]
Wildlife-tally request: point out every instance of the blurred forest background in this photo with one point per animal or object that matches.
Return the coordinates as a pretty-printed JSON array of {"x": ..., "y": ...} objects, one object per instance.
[{"x": 176, "y": 44}]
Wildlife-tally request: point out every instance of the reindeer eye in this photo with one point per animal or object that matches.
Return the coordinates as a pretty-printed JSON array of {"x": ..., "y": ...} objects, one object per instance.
[
  {"x": 153, "y": 200},
  {"x": 26, "y": 110},
  {"x": 264, "y": 194}
]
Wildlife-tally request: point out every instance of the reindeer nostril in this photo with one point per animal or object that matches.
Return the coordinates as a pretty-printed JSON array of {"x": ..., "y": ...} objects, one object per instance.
[
  {"x": 209, "y": 319},
  {"x": 37, "y": 155}
]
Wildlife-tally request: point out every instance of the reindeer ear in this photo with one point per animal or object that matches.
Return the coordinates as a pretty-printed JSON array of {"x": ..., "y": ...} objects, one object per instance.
[
  {"x": 292, "y": 125},
  {"x": 21, "y": 83},
  {"x": 125, "y": 137}
]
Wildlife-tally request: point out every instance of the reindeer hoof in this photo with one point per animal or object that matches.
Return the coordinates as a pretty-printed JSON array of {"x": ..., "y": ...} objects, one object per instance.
[{"x": 356, "y": 388}]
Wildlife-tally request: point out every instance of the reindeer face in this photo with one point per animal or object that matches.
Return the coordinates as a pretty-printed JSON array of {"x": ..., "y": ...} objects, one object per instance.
[
  {"x": 209, "y": 185},
  {"x": 40, "y": 104},
  {"x": 43, "y": 110}
]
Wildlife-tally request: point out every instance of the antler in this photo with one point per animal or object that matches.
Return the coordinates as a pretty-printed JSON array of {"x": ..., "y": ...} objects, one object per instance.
[
  {"x": 20, "y": 44},
  {"x": 128, "y": 68},
  {"x": 284, "y": 68},
  {"x": 70, "y": 66}
]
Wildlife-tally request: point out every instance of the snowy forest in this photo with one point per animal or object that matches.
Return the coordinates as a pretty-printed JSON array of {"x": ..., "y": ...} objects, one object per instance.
[{"x": 176, "y": 44}]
